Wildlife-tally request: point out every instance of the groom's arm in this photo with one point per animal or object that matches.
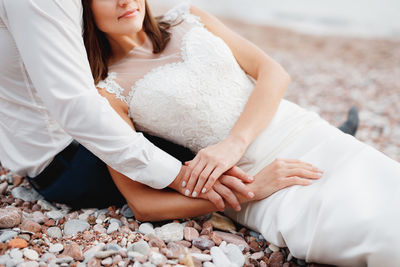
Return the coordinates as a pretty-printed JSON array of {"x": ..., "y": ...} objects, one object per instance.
[{"x": 48, "y": 36}]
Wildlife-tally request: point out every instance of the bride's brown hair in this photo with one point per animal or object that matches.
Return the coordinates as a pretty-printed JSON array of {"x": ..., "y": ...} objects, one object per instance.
[{"x": 98, "y": 48}]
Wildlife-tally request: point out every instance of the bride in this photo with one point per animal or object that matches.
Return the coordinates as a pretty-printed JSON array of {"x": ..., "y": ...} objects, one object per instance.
[{"x": 190, "y": 80}]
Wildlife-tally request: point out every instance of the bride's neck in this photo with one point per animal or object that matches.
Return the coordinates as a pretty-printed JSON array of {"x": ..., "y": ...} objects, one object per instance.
[{"x": 121, "y": 45}]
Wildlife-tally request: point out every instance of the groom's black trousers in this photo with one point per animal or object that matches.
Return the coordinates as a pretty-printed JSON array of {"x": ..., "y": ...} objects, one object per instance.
[{"x": 79, "y": 179}]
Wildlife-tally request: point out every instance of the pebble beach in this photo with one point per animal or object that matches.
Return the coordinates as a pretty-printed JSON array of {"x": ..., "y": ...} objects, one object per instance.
[{"x": 329, "y": 75}]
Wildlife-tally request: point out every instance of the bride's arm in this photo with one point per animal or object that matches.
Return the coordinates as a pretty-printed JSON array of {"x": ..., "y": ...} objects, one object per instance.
[
  {"x": 149, "y": 204},
  {"x": 271, "y": 83},
  {"x": 217, "y": 196}
]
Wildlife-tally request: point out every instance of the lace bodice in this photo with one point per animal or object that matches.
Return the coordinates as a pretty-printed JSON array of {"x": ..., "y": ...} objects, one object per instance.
[{"x": 191, "y": 94}]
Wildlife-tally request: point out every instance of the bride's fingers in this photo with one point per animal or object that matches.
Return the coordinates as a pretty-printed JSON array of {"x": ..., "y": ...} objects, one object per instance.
[
  {"x": 204, "y": 176},
  {"x": 216, "y": 173},
  {"x": 227, "y": 195},
  {"x": 239, "y": 173},
  {"x": 304, "y": 166},
  {"x": 190, "y": 166},
  {"x": 216, "y": 199},
  {"x": 301, "y": 172},
  {"x": 294, "y": 180},
  {"x": 236, "y": 185},
  {"x": 194, "y": 176}
]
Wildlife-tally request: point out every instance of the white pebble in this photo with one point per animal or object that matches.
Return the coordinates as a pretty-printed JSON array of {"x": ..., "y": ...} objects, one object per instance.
[
  {"x": 16, "y": 253},
  {"x": 107, "y": 261},
  {"x": 114, "y": 226},
  {"x": 273, "y": 248},
  {"x": 146, "y": 228},
  {"x": 31, "y": 254},
  {"x": 201, "y": 257},
  {"x": 56, "y": 248}
]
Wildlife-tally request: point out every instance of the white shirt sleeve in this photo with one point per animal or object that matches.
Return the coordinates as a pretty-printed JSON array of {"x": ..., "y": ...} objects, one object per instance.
[{"x": 48, "y": 35}]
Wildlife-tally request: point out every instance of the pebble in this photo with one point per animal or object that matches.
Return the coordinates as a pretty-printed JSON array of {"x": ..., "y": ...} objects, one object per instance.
[
  {"x": 234, "y": 239},
  {"x": 267, "y": 250},
  {"x": 74, "y": 226},
  {"x": 3, "y": 188},
  {"x": 156, "y": 242},
  {"x": 45, "y": 205},
  {"x": 107, "y": 261},
  {"x": 113, "y": 220},
  {"x": 157, "y": 259},
  {"x": 30, "y": 226},
  {"x": 28, "y": 264},
  {"x": 190, "y": 233},
  {"x": 141, "y": 246},
  {"x": 273, "y": 248},
  {"x": 124, "y": 242},
  {"x": 170, "y": 232},
  {"x": 31, "y": 254},
  {"x": 201, "y": 257},
  {"x": 17, "y": 243},
  {"x": 7, "y": 235},
  {"x": 62, "y": 260},
  {"x": 127, "y": 212},
  {"x": 9, "y": 217},
  {"x": 89, "y": 254},
  {"x": 114, "y": 226},
  {"x": 54, "y": 232},
  {"x": 83, "y": 216},
  {"x": 74, "y": 251},
  {"x": 203, "y": 243},
  {"x": 234, "y": 254},
  {"x": 36, "y": 216},
  {"x": 258, "y": 255},
  {"x": 15, "y": 253},
  {"x": 276, "y": 259},
  {"x": 99, "y": 228},
  {"x": 47, "y": 256},
  {"x": 219, "y": 257},
  {"x": 55, "y": 248},
  {"x": 146, "y": 228},
  {"x": 222, "y": 222},
  {"x": 55, "y": 214},
  {"x": 26, "y": 194},
  {"x": 105, "y": 254},
  {"x": 112, "y": 246},
  {"x": 136, "y": 255}
]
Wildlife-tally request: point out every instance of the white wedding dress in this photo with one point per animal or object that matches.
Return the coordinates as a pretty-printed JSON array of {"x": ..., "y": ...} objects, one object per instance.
[{"x": 192, "y": 94}]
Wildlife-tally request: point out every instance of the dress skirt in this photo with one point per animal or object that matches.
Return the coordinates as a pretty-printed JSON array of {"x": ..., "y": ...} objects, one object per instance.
[{"x": 349, "y": 217}]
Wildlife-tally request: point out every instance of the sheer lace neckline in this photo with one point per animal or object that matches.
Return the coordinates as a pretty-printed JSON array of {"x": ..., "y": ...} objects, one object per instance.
[{"x": 146, "y": 48}]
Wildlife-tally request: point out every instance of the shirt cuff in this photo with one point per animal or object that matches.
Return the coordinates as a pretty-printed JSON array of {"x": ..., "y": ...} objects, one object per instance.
[{"x": 161, "y": 170}]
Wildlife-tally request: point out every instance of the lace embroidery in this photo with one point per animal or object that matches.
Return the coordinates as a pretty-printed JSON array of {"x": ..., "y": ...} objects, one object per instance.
[
  {"x": 182, "y": 11},
  {"x": 195, "y": 102},
  {"x": 111, "y": 86}
]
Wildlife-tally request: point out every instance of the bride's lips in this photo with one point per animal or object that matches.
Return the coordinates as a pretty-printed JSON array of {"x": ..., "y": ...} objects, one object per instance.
[{"x": 129, "y": 14}]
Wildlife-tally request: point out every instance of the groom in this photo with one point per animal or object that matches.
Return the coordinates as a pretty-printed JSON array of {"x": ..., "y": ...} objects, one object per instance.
[{"x": 55, "y": 128}]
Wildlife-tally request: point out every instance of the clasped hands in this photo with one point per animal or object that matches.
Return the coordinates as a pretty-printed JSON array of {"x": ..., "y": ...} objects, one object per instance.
[{"x": 212, "y": 175}]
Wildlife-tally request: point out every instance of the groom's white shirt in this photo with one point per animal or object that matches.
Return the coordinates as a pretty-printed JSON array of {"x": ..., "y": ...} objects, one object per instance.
[{"x": 47, "y": 97}]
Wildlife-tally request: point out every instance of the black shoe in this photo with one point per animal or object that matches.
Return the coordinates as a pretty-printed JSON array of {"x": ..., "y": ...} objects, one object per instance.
[{"x": 350, "y": 126}]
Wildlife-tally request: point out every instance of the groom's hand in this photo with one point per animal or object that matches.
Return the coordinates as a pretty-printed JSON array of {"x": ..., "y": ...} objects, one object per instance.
[{"x": 228, "y": 188}]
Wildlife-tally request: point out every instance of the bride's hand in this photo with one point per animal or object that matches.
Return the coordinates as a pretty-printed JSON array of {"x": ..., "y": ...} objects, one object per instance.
[
  {"x": 210, "y": 163},
  {"x": 228, "y": 189},
  {"x": 282, "y": 173}
]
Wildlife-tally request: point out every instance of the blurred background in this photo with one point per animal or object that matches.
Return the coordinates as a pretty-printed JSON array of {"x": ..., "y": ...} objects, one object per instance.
[{"x": 339, "y": 53}]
